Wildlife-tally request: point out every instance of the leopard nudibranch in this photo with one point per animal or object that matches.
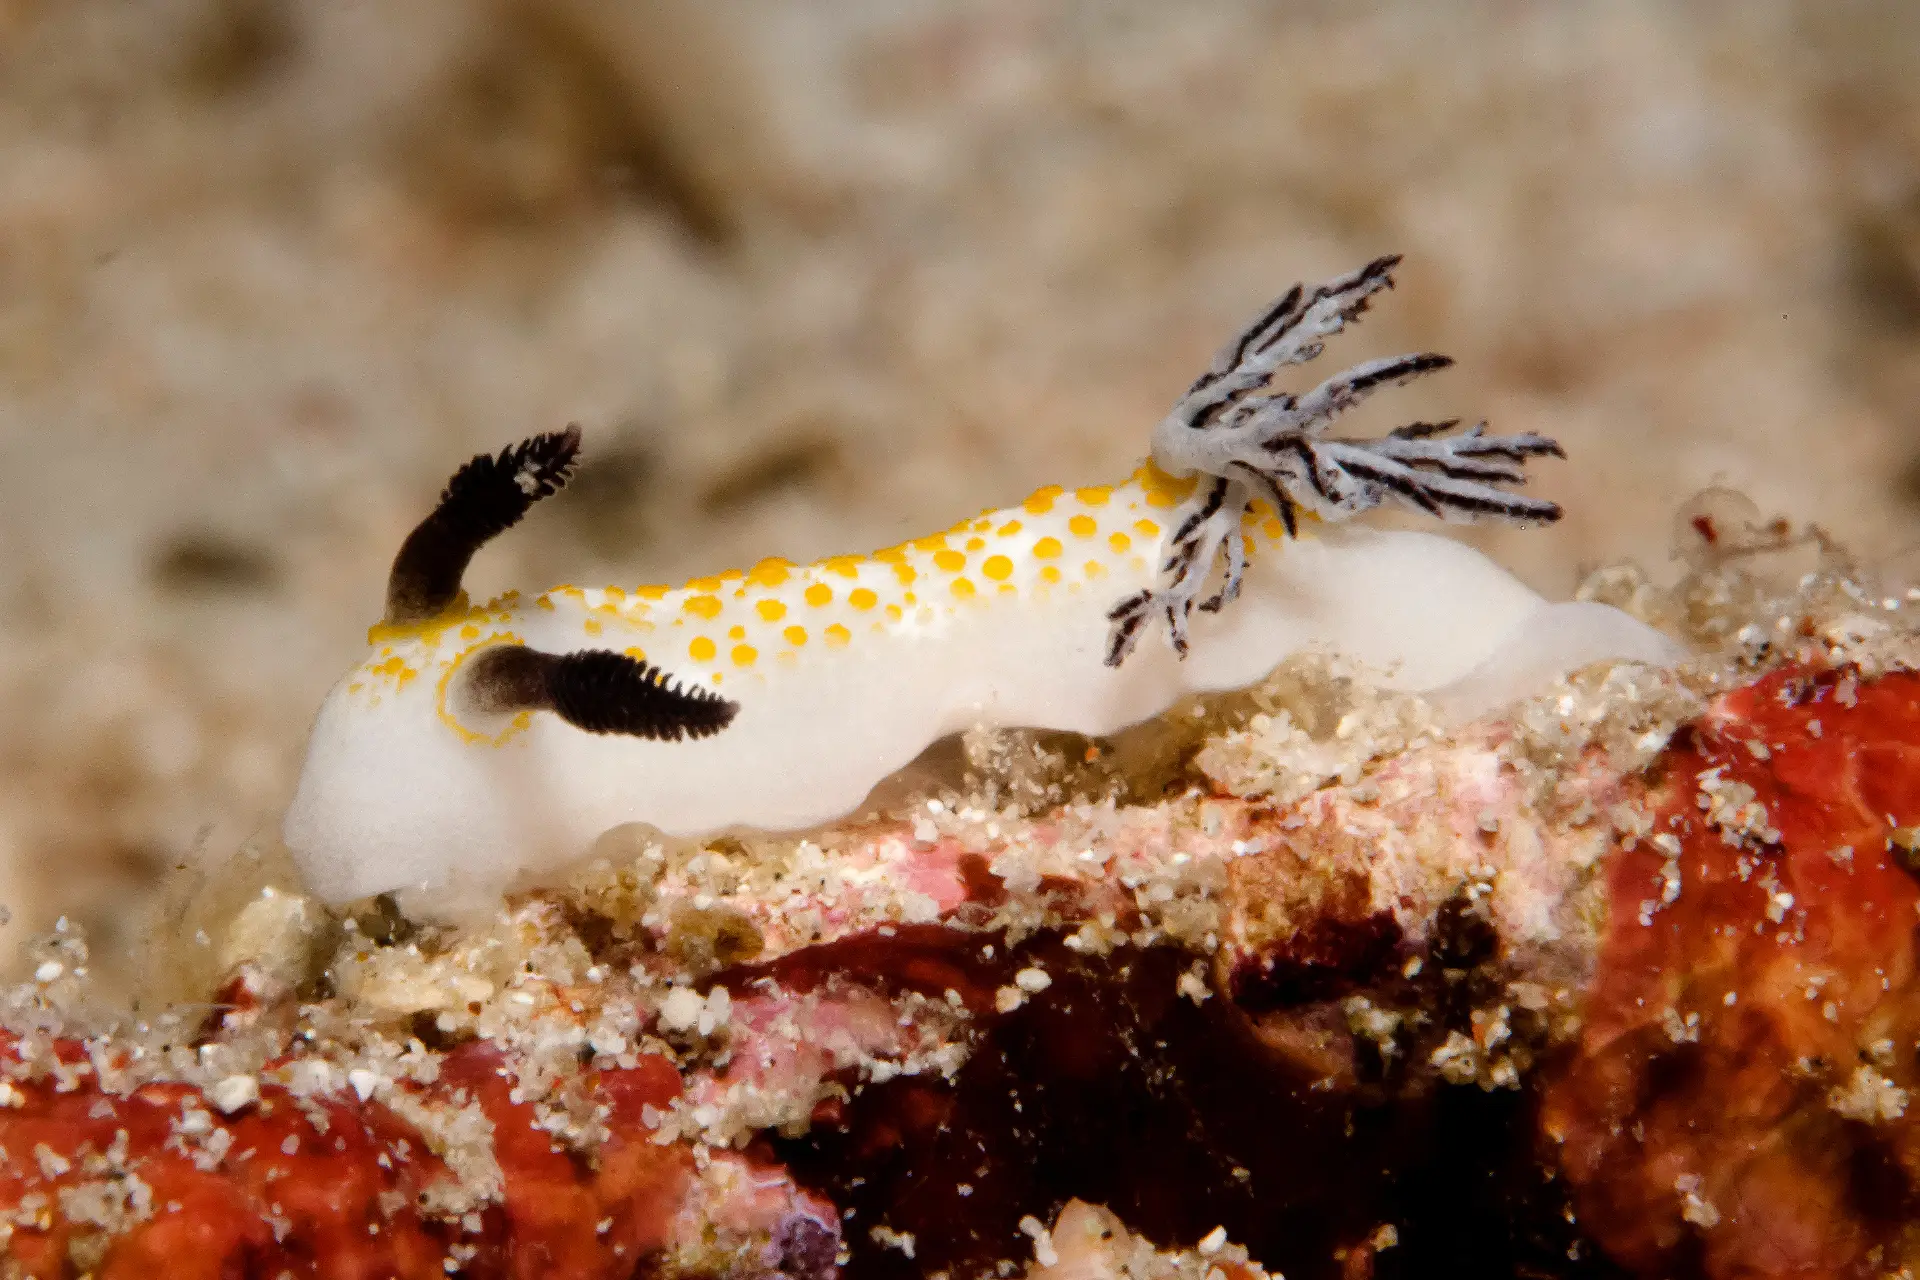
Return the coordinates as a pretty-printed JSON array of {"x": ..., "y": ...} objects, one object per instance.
[{"x": 477, "y": 745}]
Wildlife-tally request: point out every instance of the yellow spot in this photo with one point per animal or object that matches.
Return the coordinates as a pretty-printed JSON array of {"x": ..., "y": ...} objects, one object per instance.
[
  {"x": 770, "y": 572},
  {"x": 591, "y": 626},
  {"x": 974, "y": 544},
  {"x": 838, "y": 635},
  {"x": 818, "y": 594},
  {"x": 637, "y": 653},
  {"x": 1008, "y": 589},
  {"x": 703, "y": 584},
  {"x": 1049, "y": 573},
  {"x": 1119, "y": 541},
  {"x": 1041, "y": 501},
  {"x": 932, "y": 542},
  {"x": 744, "y": 654},
  {"x": 651, "y": 593},
  {"x": 1163, "y": 490},
  {"x": 703, "y": 606},
  {"x": 1094, "y": 497},
  {"x": 615, "y": 593},
  {"x": 1273, "y": 528},
  {"x": 1046, "y": 548},
  {"x": 731, "y": 575},
  {"x": 951, "y": 561},
  {"x": 1008, "y": 529},
  {"x": 770, "y": 610},
  {"x": 861, "y": 598},
  {"x": 890, "y": 555},
  {"x": 962, "y": 587},
  {"x": 397, "y": 670},
  {"x": 999, "y": 568},
  {"x": 1095, "y": 568},
  {"x": 736, "y": 633},
  {"x": 544, "y": 603},
  {"x": 355, "y": 686},
  {"x": 905, "y": 573},
  {"x": 845, "y": 566},
  {"x": 1083, "y": 526},
  {"x": 796, "y": 636},
  {"x": 893, "y": 612},
  {"x": 1146, "y": 528},
  {"x": 701, "y": 650},
  {"x": 471, "y": 633}
]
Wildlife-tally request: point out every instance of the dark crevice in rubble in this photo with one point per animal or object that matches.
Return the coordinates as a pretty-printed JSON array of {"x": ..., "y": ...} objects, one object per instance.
[
  {"x": 1877, "y": 1184},
  {"x": 1110, "y": 1087},
  {"x": 1324, "y": 959}
]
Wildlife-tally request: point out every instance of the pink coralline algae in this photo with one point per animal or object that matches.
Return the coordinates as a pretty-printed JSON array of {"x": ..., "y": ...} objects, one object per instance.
[{"x": 1496, "y": 1002}]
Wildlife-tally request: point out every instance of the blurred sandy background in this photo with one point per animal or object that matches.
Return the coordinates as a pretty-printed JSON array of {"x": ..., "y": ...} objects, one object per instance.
[{"x": 819, "y": 276}]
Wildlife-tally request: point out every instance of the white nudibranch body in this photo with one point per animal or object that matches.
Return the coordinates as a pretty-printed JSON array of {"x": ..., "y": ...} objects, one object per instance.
[{"x": 843, "y": 671}]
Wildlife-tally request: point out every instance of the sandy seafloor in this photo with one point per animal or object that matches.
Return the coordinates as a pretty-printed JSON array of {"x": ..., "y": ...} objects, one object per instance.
[{"x": 819, "y": 277}]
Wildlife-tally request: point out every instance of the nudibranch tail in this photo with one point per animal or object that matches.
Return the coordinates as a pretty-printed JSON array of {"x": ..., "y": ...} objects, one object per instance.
[
  {"x": 1248, "y": 442},
  {"x": 484, "y": 499},
  {"x": 597, "y": 690}
]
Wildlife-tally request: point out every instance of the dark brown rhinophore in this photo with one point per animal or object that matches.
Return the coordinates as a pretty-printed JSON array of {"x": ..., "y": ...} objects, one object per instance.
[
  {"x": 597, "y": 690},
  {"x": 484, "y": 499}
]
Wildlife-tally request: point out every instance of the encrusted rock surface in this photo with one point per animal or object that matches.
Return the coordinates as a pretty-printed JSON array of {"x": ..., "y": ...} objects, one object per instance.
[
  {"x": 818, "y": 277},
  {"x": 1738, "y": 1097}
]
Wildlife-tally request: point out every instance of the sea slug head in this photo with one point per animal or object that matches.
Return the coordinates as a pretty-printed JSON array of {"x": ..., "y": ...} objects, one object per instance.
[{"x": 422, "y": 746}]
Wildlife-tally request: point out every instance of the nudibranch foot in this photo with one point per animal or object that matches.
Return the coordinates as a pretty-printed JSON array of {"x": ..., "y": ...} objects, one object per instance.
[{"x": 1252, "y": 443}]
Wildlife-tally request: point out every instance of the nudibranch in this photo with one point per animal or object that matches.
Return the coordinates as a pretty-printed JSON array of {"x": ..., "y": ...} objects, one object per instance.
[{"x": 476, "y": 745}]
